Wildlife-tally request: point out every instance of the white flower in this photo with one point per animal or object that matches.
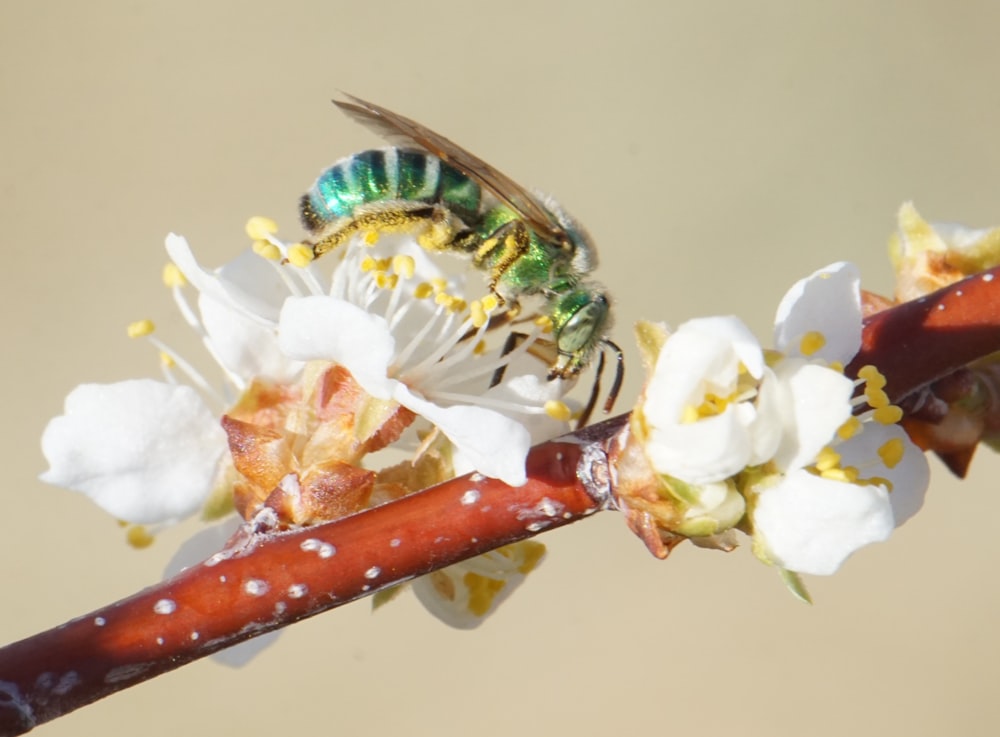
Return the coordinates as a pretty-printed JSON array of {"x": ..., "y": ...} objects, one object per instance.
[
  {"x": 819, "y": 480},
  {"x": 836, "y": 482},
  {"x": 701, "y": 405},
  {"x": 421, "y": 353},
  {"x": 153, "y": 452}
]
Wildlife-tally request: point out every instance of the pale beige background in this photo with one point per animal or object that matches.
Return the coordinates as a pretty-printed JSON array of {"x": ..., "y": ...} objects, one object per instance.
[{"x": 716, "y": 150}]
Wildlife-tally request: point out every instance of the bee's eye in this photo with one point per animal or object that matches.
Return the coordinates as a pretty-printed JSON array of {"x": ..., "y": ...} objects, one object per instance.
[{"x": 583, "y": 328}]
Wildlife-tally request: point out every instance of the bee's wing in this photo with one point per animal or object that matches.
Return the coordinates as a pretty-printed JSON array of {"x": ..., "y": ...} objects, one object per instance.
[{"x": 397, "y": 128}]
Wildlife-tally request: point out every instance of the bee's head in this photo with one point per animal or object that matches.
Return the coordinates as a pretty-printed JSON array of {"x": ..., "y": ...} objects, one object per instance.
[{"x": 580, "y": 318}]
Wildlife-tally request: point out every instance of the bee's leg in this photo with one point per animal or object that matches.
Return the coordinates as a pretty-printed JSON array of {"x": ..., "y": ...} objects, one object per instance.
[
  {"x": 595, "y": 391},
  {"x": 510, "y": 344},
  {"x": 427, "y": 218},
  {"x": 616, "y": 385},
  {"x": 502, "y": 249}
]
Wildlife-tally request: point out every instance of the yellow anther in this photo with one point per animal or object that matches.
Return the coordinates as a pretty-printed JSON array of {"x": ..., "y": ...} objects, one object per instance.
[
  {"x": 386, "y": 281},
  {"x": 836, "y": 366},
  {"x": 689, "y": 414},
  {"x": 876, "y": 397},
  {"x": 458, "y": 305},
  {"x": 140, "y": 328},
  {"x": 827, "y": 459},
  {"x": 138, "y": 536},
  {"x": 891, "y": 452},
  {"x": 849, "y": 429},
  {"x": 480, "y": 348},
  {"x": 404, "y": 265},
  {"x": 423, "y": 290},
  {"x": 443, "y": 299},
  {"x": 166, "y": 360},
  {"x": 482, "y": 592},
  {"x": 544, "y": 322},
  {"x": 533, "y": 552},
  {"x": 172, "y": 276},
  {"x": 879, "y": 481},
  {"x": 478, "y": 314},
  {"x": 368, "y": 264},
  {"x": 266, "y": 249},
  {"x": 300, "y": 255},
  {"x": 557, "y": 410},
  {"x": 490, "y": 302},
  {"x": 872, "y": 376},
  {"x": 371, "y": 237},
  {"x": 835, "y": 474},
  {"x": 812, "y": 342},
  {"x": 259, "y": 228},
  {"x": 852, "y": 473},
  {"x": 888, "y": 415},
  {"x": 439, "y": 284}
]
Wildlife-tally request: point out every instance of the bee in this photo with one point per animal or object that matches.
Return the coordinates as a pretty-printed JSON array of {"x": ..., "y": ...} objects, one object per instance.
[{"x": 451, "y": 200}]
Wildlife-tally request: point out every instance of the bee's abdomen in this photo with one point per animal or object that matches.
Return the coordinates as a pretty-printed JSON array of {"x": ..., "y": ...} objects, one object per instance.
[{"x": 383, "y": 175}]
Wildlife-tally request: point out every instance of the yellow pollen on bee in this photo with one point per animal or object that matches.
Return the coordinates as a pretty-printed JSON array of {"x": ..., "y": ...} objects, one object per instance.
[
  {"x": 849, "y": 429},
  {"x": 371, "y": 237},
  {"x": 138, "y": 536},
  {"x": 300, "y": 255},
  {"x": 812, "y": 342},
  {"x": 891, "y": 452},
  {"x": 888, "y": 415},
  {"x": 266, "y": 249},
  {"x": 259, "y": 228},
  {"x": 423, "y": 290},
  {"x": 558, "y": 410},
  {"x": 166, "y": 360},
  {"x": 404, "y": 265},
  {"x": 140, "y": 328},
  {"x": 827, "y": 459},
  {"x": 172, "y": 276}
]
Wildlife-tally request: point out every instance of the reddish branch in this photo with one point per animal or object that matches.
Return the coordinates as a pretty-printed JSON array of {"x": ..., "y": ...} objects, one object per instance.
[{"x": 271, "y": 580}]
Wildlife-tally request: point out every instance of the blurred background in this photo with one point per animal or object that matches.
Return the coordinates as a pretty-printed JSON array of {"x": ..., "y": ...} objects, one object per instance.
[{"x": 716, "y": 151}]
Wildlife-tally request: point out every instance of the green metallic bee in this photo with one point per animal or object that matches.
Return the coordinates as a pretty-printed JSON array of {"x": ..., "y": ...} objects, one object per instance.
[{"x": 453, "y": 201}]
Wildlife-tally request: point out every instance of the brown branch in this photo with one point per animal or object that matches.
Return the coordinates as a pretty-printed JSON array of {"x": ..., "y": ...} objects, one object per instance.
[
  {"x": 275, "y": 579},
  {"x": 920, "y": 341}
]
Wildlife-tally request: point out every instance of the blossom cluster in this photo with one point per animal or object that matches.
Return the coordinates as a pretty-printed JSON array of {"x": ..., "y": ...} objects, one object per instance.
[{"x": 778, "y": 444}]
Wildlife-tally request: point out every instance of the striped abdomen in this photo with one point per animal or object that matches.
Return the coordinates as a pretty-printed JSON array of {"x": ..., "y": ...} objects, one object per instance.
[{"x": 386, "y": 175}]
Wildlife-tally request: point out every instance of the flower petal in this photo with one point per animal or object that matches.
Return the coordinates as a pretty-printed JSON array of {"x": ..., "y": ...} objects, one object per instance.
[
  {"x": 701, "y": 452},
  {"x": 810, "y": 524},
  {"x": 829, "y": 302},
  {"x": 910, "y": 477},
  {"x": 816, "y": 401},
  {"x": 142, "y": 450},
  {"x": 495, "y": 445},
  {"x": 330, "y": 329}
]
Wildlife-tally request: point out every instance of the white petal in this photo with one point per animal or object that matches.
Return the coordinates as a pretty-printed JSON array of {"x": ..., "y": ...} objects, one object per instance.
[
  {"x": 142, "y": 450},
  {"x": 702, "y": 356},
  {"x": 243, "y": 346},
  {"x": 767, "y": 427},
  {"x": 495, "y": 445},
  {"x": 710, "y": 449},
  {"x": 330, "y": 329},
  {"x": 811, "y": 525},
  {"x": 248, "y": 283},
  {"x": 910, "y": 477},
  {"x": 828, "y": 301},
  {"x": 816, "y": 401}
]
